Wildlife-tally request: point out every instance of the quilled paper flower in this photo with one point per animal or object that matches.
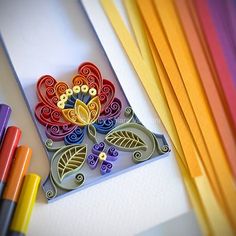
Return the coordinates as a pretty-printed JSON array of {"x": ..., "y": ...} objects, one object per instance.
[
  {"x": 68, "y": 111},
  {"x": 99, "y": 155}
]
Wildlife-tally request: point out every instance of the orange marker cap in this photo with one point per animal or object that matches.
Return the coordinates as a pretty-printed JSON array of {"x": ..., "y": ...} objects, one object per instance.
[{"x": 17, "y": 172}]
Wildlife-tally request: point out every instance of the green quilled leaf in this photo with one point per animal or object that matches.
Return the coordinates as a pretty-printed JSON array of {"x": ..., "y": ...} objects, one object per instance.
[
  {"x": 71, "y": 161},
  {"x": 125, "y": 140}
]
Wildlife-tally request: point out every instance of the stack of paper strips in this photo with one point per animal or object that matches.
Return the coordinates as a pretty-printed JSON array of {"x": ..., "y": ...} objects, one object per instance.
[{"x": 184, "y": 53}]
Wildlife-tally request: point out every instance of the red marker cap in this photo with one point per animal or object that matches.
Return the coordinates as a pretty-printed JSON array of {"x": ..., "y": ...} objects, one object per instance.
[{"x": 10, "y": 142}]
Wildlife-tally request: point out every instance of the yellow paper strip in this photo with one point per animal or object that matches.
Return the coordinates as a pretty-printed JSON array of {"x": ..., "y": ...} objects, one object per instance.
[
  {"x": 141, "y": 37},
  {"x": 217, "y": 220},
  {"x": 196, "y": 200},
  {"x": 150, "y": 85}
]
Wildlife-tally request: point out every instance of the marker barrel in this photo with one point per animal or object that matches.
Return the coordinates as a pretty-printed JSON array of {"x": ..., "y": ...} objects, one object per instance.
[
  {"x": 5, "y": 112},
  {"x": 7, "y": 208},
  {"x": 19, "y": 225},
  {"x": 7, "y": 151},
  {"x": 13, "y": 187}
]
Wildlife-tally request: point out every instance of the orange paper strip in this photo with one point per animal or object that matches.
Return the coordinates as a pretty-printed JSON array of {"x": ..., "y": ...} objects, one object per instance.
[
  {"x": 172, "y": 72},
  {"x": 191, "y": 80},
  {"x": 221, "y": 66},
  {"x": 145, "y": 76},
  {"x": 207, "y": 80}
]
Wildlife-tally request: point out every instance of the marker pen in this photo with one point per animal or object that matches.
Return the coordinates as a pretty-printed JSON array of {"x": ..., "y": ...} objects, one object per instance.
[
  {"x": 7, "y": 151},
  {"x": 21, "y": 218},
  {"x": 13, "y": 187},
  {"x": 5, "y": 112}
]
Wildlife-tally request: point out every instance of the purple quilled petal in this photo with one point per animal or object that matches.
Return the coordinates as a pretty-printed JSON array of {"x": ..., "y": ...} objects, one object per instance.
[
  {"x": 105, "y": 167},
  {"x": 92, "y": 161}
]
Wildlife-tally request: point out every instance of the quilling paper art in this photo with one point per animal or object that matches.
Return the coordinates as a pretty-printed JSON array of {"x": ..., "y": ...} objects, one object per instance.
[{"x": 91, "y": 132}]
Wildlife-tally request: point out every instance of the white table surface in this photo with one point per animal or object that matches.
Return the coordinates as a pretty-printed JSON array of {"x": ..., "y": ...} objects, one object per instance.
[{"x": 119, "y": 206}]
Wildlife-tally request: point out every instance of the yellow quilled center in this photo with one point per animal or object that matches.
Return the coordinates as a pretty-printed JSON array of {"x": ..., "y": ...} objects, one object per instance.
[
  {"x": 81, "y": 114},
  {"x": 102, "y": 156}
]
